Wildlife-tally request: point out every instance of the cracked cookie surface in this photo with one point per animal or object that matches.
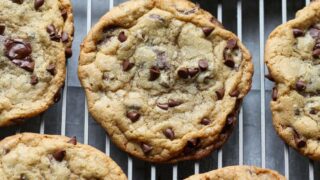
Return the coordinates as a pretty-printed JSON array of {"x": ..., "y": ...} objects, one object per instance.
[
  {"x": 35, "y": 156},
  {"x": 239, "y": 173},
  {"x": 35, "y": 39},
  {"x": 292, "y": 55},
  {"x": 164, "y": 79}
]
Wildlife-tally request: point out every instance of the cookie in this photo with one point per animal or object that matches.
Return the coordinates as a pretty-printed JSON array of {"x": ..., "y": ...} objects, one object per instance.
[
  {"x": 292, "y": 57},
  {"x": 164, "y": 79},
  {"x": 35, "y": 39},
  {"x": 239, "y": 172},
  {"x": 37, "y": 156}
]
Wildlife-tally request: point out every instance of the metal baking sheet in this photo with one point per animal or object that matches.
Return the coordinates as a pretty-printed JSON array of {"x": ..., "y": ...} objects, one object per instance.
[{"x": 253, "y": 142}]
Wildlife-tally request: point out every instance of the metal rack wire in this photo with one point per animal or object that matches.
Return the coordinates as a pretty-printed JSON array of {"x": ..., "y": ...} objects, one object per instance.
[{"x": 66, "y": 124}]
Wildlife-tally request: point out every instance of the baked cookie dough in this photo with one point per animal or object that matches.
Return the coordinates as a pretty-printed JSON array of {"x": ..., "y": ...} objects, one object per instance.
[
  {"x": 292, "y": 56},
  {"x": 35, "y": 156},
  {"x": 239, "y": 173},
  {"x": 164, "y": 79},
  {"x": 35, "y": 39}
]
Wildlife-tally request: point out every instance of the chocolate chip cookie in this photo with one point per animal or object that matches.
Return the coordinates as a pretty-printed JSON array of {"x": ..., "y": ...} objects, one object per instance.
[
  {"x": 35, "y": 40},
  {"x": 239, "y": 172},
  {"x": 293, "y": 58},
  {"x": 35, "y": 156},
  {"x": 164, "y": 79}
]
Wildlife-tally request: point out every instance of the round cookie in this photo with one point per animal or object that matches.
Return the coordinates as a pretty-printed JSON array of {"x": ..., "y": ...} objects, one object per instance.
[
  {"x": 292, "y": 57},
  {"x": 35, "y": 40},
  {"x": 37, "y": 156},
  {"x": 239, "y": 172},
  {"x": 164, "y": 79}
]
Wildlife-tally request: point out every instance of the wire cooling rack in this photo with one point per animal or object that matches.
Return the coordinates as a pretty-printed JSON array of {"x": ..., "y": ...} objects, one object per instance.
[{"x": 253, "y": 142}]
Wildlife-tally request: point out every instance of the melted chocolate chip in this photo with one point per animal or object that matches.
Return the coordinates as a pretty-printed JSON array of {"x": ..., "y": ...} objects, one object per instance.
[
  {"x": 300, "y": 141},
  {"x": 169, "y": 133},
  {"x": 146, "y": 148},
  {"x": 220, "y": 93},
  {"x": 300, "y": 85},
  {"x": 183, "y": 73},
  {"x": 2, "y": 29},
  {"x": 133, "y": 115},
  {"x": 64, "y": 14},
  {"x": 268, "y": 76},
  {"x": 17, "y": 49},
  {"x": 51, "y": 69},
  {"x": 34, "y": 80},
  {"x": 38, "y": 4},
  {"x": 316, "y": 53},
  {"x": 205, "y": 121},
  {"x": 154, "y": 73},
  {"x": 23, "y": 177},
  {"x": 234, "y": 93},
  {"x": 59, "y": 155},
  {"x": 297, "y": 32},
  {"x": 274, "y": 93},
  {"x": 122, "y": 37},
  {"x": 24, "y": 64},
  {"x": 64, "y": 37},
  {"x": 163, "y": 106},
  {"x": 231, "y": 43},
  {"x": 68, "y": 52},
  {"x": 203, "y": 64},
  {"x": 127, "y": 65},
  {"x": 207, "y": 30},
  {"x": 73, "y": 140},
  {"x": 161, "y": 62},
  {"x": 18, "y": 1},
  {"x": 229, "y": 62},
  {"x": 51, "y": 30},
  {"x": 193, "y": 71},
  {"x": 174, "y": 103}
]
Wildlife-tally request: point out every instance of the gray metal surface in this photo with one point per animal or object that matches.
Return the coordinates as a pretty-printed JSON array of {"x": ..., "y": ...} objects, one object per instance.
[{"x": 254, "y": 141}]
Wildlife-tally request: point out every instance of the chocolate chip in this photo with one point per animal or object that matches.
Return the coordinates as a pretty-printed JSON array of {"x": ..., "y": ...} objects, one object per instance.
[
  {"x": 205, "y": 121},
  {"x": 18, "y": 1},
  {"x": 51, "y": 69},
  {"x": 231, "y": 43},
  {"x": 64, "y": 37},
  {"x": 203, "y": 64},
  {"x": 57, "y": 97},
  {"x": 191, "y": 145},
  {"x": 207, "y": 30},
  {"x": 161, "y": 62},
  {"x": 183, "y": 73},
  {"x": 64, "y": 14},
  {"x": 300, "y": 142},
  {"x": 2, "y": 29},
  {"x": 174, "y": 103},
  {"x": 230, "y": 120},
  {"x": 220, "y": 93},
  {"x": 24, "y": 64},
  {"x": 234, "y": 93},
  {"x": 17, "y": 49},
  {"x": 38, "y": 4},
  {"x": 122, "y": 37},
  {"x": 73, "y": 140},
  {"x": 34, "y": 79},
  {"x": 169, "y": 133},
  {"x": 146, "y": 148},
  {"x": 154, "y": 73},
  {"x": 268, "y": 76},
  {"x": 274, "y": 93},
  {"x": 229, "y": 62},
  {"x": 156, "y": 17},
  {"x": 316, "y": 53},
  {"x": 68, "y": 52},
  {"x": 193, "y": 71},
  {"x": 163, "y": 106},
  {"x": 297, "y": 32},
  {"x": 313, "y": 111},
  {"x": 51, "y": 30},
  {"x": 133, "y": 115},
  {"x": 59, "y": 155},
  {"x": 300, "y": 85},
  {"x": 127, "y": 65},
  {"x": 297, "y": 112},
  {"x": 23, "y": 177},
  {"x": 314, "y": 33}
]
